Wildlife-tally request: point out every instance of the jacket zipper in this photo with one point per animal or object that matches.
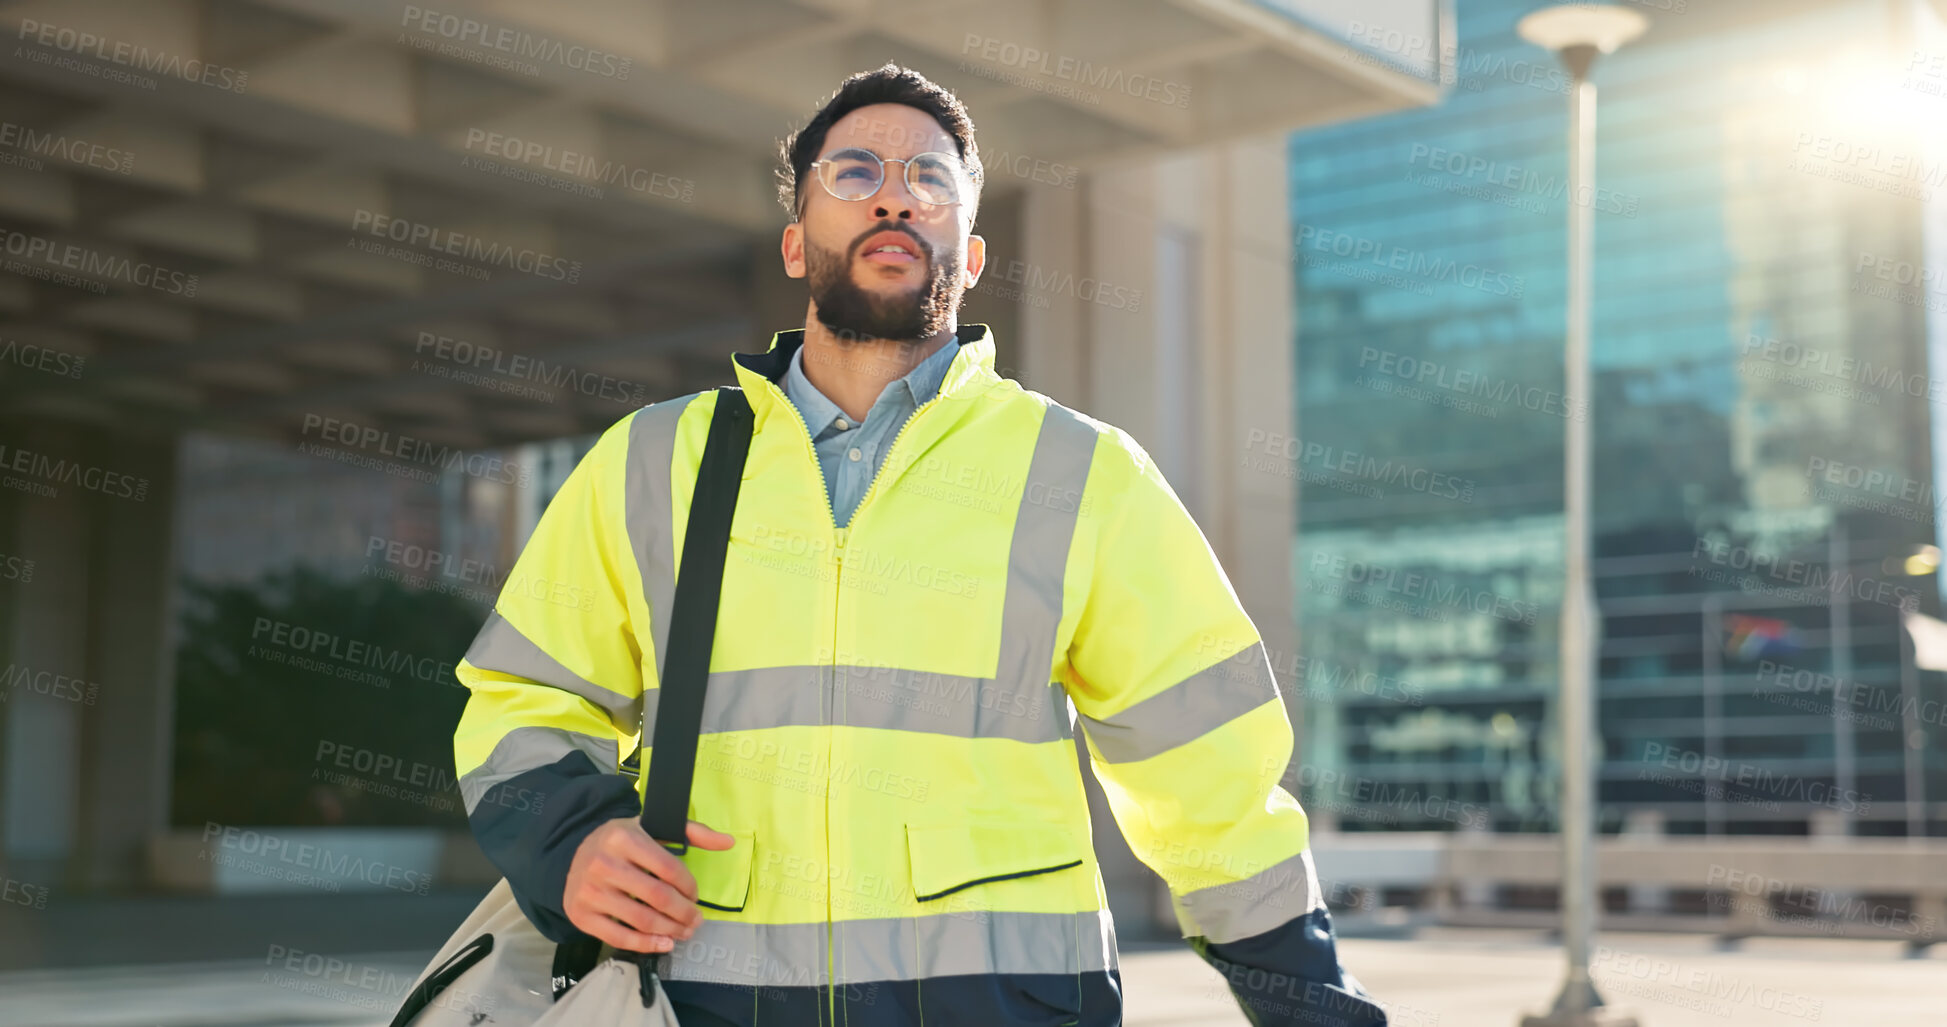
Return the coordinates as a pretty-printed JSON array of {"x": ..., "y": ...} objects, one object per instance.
[
  {"x": 831, "y": 698},
  {"x": 891, "y": 448},
  {"x": 841, "y": 537}
]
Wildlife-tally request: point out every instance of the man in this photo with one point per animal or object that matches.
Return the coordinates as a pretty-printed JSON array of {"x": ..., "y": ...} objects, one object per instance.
[{"x": 929, "y": 566}]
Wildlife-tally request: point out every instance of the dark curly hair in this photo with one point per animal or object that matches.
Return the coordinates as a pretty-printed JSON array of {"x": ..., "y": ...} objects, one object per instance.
[{"x": 888, "y": 83}]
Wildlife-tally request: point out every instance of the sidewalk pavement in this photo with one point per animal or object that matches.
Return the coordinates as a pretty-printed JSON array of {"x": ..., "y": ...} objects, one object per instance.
[
  {"x": 1455, "y": 977},
  {"x": 1440, "y": 978}
]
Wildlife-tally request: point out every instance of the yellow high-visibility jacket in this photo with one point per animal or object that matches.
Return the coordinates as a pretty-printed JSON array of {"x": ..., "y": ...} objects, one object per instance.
[{"x": 888, "y": 730}]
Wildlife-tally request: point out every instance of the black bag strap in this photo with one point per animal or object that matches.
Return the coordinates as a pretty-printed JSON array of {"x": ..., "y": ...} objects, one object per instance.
[
  {"x": 693, "y": 624},
  {"x": 686, "y": 664}
]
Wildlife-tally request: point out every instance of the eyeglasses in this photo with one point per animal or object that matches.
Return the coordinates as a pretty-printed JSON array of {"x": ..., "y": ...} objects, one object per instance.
[{"x": 856, "y": 174}]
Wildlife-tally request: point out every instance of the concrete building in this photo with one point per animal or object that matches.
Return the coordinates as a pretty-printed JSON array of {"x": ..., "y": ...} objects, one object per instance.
[{"x": 325, "y": 284}]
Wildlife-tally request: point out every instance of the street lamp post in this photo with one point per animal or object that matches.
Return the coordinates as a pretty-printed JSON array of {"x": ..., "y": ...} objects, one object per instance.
[{"x": 1577, "y": 33}]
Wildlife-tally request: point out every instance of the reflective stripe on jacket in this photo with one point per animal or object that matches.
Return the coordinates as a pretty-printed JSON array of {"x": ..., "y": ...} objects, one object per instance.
[{"x": 888, "y": 730}]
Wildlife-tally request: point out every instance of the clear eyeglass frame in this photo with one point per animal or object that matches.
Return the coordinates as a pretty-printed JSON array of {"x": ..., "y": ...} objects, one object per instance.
[{"x": 924, "y": 192}]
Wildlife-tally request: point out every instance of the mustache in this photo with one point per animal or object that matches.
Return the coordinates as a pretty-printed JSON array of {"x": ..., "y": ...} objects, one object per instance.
[{"x": 918, "y": 243}]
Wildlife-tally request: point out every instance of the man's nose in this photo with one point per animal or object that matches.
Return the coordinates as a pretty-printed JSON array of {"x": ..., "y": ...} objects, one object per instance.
[
  {"x": 900, "y": 205},
  {"x": 893, "y": 198}
]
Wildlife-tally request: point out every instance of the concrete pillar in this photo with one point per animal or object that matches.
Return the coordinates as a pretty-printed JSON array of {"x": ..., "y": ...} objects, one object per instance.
[
  {"x": 1473, "y": 893},
  {"x": 1646, "y": 825},
  {"x": 85, "y": 768},
  {"x": 45, "y": 638},
  {"x": 128, "y": 750},
  {"x": 1157, "y": 296}
]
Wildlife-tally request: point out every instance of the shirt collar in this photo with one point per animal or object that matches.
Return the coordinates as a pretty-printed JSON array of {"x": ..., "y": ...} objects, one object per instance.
[
  {"x": 818, "y": 412},
  {"x": 761, "y": 374},
  {"x": 915, "y": 387}
]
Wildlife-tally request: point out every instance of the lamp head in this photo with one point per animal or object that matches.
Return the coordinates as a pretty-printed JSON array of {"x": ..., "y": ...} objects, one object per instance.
[{"x": 1602, "y": 27}]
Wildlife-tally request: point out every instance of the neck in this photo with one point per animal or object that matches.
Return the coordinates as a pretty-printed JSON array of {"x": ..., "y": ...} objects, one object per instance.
[{"x": 852, "y": 372}]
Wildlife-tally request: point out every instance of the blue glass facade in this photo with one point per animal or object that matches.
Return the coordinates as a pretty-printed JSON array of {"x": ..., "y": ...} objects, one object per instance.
[{"x": 1763, "y": 510}]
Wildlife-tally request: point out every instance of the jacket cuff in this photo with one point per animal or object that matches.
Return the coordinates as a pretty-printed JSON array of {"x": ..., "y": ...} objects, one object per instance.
[
  {"x": 1290, "y": 975},
  {"x": 530, "y": 825}
]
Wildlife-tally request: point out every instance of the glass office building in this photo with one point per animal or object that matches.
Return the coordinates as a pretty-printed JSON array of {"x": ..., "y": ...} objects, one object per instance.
[{"x": 1764, "y": 508}]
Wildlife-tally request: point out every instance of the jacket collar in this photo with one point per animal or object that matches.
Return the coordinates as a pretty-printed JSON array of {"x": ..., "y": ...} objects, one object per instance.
[{"x": 971, "y": 371}]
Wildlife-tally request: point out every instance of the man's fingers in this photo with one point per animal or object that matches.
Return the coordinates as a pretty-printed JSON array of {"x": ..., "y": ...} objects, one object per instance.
[
  {"x": 588, "y": 916},
  {"x": 638, "y": 917},
  {"x": 639, "y": 886},
  {"x": 703, "y": 837},
  {"x": 643, "y": 851},
  {"x": 627, "y": 940}
]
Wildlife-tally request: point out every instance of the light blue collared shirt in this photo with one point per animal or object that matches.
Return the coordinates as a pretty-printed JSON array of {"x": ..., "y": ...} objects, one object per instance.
[{"x": 849, "y": 452}]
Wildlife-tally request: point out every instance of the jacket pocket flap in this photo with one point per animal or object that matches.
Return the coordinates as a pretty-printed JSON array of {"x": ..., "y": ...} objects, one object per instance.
[
  {"x": 949, "y": 857},
  {"x": 723, "y": 877}
]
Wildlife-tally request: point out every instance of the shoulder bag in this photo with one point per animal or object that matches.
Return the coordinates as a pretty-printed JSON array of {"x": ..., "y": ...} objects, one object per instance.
[{"x": 497, "y": 968}]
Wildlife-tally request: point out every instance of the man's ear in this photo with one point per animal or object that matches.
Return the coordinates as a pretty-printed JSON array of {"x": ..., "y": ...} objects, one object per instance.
[
  {"x": 976, "y": 260},
  {"x": 792, "y": 247}
]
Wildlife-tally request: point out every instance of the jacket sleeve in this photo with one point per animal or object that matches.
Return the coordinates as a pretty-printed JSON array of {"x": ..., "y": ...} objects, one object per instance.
[
  {"x": 556, "y": 681},
  {"x": 1188, "y": 735}
]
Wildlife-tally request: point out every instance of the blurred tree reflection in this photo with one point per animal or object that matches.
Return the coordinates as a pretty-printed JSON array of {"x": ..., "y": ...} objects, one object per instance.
[{"x": 311, "y": 700}]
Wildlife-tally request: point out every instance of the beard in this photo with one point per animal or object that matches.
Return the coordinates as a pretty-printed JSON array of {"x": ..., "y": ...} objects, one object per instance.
[{"x": 854, "y": 312}]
